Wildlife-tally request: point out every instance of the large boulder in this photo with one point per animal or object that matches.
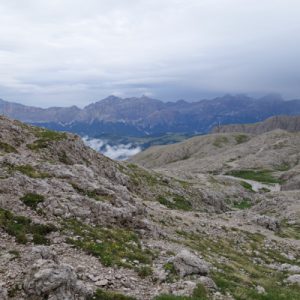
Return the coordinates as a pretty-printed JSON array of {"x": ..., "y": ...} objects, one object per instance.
[
  {"x": 294, "y": 279},
  {"x": 267, "y": 222},
  {"x": 187, "y": 263},
  {"x": 48, "y": 278}
]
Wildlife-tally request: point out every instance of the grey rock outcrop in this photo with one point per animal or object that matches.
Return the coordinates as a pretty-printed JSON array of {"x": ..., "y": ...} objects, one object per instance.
[
  {"x": 48, "y": 278},
  {"x": 294, "y": 279},
  {"x": 187, "y": 263},
  {"x": 267, "y": 222},
  {"x": 288, "y": 268},
  {"x": 56, "y": 281}
]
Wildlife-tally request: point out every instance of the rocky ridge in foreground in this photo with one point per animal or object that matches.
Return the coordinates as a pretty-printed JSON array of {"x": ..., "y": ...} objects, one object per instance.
[
  {"x": 288, "y": 123},
  {"x": 77, "y": 225}
]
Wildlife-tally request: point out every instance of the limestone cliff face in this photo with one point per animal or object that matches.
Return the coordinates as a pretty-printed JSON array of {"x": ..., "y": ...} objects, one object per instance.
[{"x": 288, "y": 123}]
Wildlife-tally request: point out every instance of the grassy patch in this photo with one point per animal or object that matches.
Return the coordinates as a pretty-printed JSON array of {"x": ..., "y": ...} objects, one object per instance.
[
  {"x": 244, "y": 204},
  {"x": 27, "y": 170},
  {"x": 241, "y": 138},
  {"x": 264, "y": 190},
  {"x": 32, "y": 200},
  {"x": 172, "y": 274},
  {"x": 264, "y": 176},
  {"x": 246, "y": 185},
  {"x": 113, "y": 246},
  {"x": 285, "y": 166},
  {"x": 4, "y": 147},
  {"x": 44, "y": 137},
  {"x": 176, "y": 202},
  {"x": 243, "y": 290},
  {"x": 20, "y": 227},
  {"x": 289, "y": 230},
  {"x": 238, "y": 273},
  {"x": 144, "y": 271},
  {"x": 108, "y": 295},
  {"x": 13, "y": 291},
  {"x": 141, "y": 176},
  {"x": 63, "y": 158},
  {"x": 199, "y": 293},
  {"x": 172, "y": 297},
  {"x": 15, "y": 253},
  {"x": 220, "y": 141}
]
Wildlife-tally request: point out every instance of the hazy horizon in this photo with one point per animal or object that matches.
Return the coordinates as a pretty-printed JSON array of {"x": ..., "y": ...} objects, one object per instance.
[{"x": 62, "y": 53}]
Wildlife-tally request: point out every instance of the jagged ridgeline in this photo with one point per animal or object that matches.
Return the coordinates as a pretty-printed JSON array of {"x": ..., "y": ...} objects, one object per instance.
[
  {"x": 77, "y": 225},
  {"x": 141, "y": 117}
]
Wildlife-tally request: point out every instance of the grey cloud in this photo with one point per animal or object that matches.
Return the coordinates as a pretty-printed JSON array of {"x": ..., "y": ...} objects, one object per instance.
[{"x": 55, "y": 52}]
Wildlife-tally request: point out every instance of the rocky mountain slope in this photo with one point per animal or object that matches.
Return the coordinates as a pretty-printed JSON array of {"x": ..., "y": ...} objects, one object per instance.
[
  {"x": 145, "y": 116},
  {"x": 288, "y": 123},
  {"x": 224, "y": 152},
  {"x": 77, "y": 225}
]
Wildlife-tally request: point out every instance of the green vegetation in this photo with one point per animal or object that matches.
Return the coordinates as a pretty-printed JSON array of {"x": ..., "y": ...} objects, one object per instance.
[
  {"x": 144, "y": 271},
  {"x": 244, "y": 204},
  {"x": 4, "y": 147},
  {"x": 15, "y": 253},
  {"x": 264, "y": 176},
  {"x": 264, "y": 190},
  {"x": 246, "y": 185},
  {"x": 12, "y": 292},
  {"x": 94, "y": 194},
  {"x": 285, "y": 166},
  {"x": 63, "y": 158},
  {"x": 177, "y": 202},
  {"x": 27, "y": 170},
  {"x": 184, "y": 184},
  {"x": 141, "y": 176},
  {"x": 199, "y": 293},
  {"x": 172, "y": 273},
  {"x": 20, "y": 227},
  {"x": 289, "y": 230},
  {"x": 108, "y": 295},
  {"x": 243, "y": 290},
  {"x": 32, "y": 200},
  {"x": 44, "y": 137},
  {"x": 220, "y": 141},
  {"x": 241, "y": 138},
  {"x": 171, "y": 297},
  {"x": 238, "y": 274},
  {"x": 113, "y": 246}
]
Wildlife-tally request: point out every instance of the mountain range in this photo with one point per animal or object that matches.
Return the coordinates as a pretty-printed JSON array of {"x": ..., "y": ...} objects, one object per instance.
[{"x": 139, "y": 117}]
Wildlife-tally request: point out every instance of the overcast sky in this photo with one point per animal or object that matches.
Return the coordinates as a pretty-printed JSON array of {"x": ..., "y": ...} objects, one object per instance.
[{"x": 64, "y": 52}]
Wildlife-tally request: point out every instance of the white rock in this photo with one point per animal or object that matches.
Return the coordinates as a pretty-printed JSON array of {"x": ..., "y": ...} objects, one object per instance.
[
  {"x": 187, "y": 263},
  {"x": 260, "y": 289},
  {"x": 294, "y": 279},
  {"x": 103, "y": 282}
]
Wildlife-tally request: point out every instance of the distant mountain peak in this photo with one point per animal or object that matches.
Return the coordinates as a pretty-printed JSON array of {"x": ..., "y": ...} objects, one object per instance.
[
  {"x": 272, "y": 97},
  {"x": 141, "y": 115},
  {"x": 111, "y": 98}
]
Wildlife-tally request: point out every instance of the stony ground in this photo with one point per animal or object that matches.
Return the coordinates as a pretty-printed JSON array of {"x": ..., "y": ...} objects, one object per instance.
[{"x": 76, "y": 225}]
